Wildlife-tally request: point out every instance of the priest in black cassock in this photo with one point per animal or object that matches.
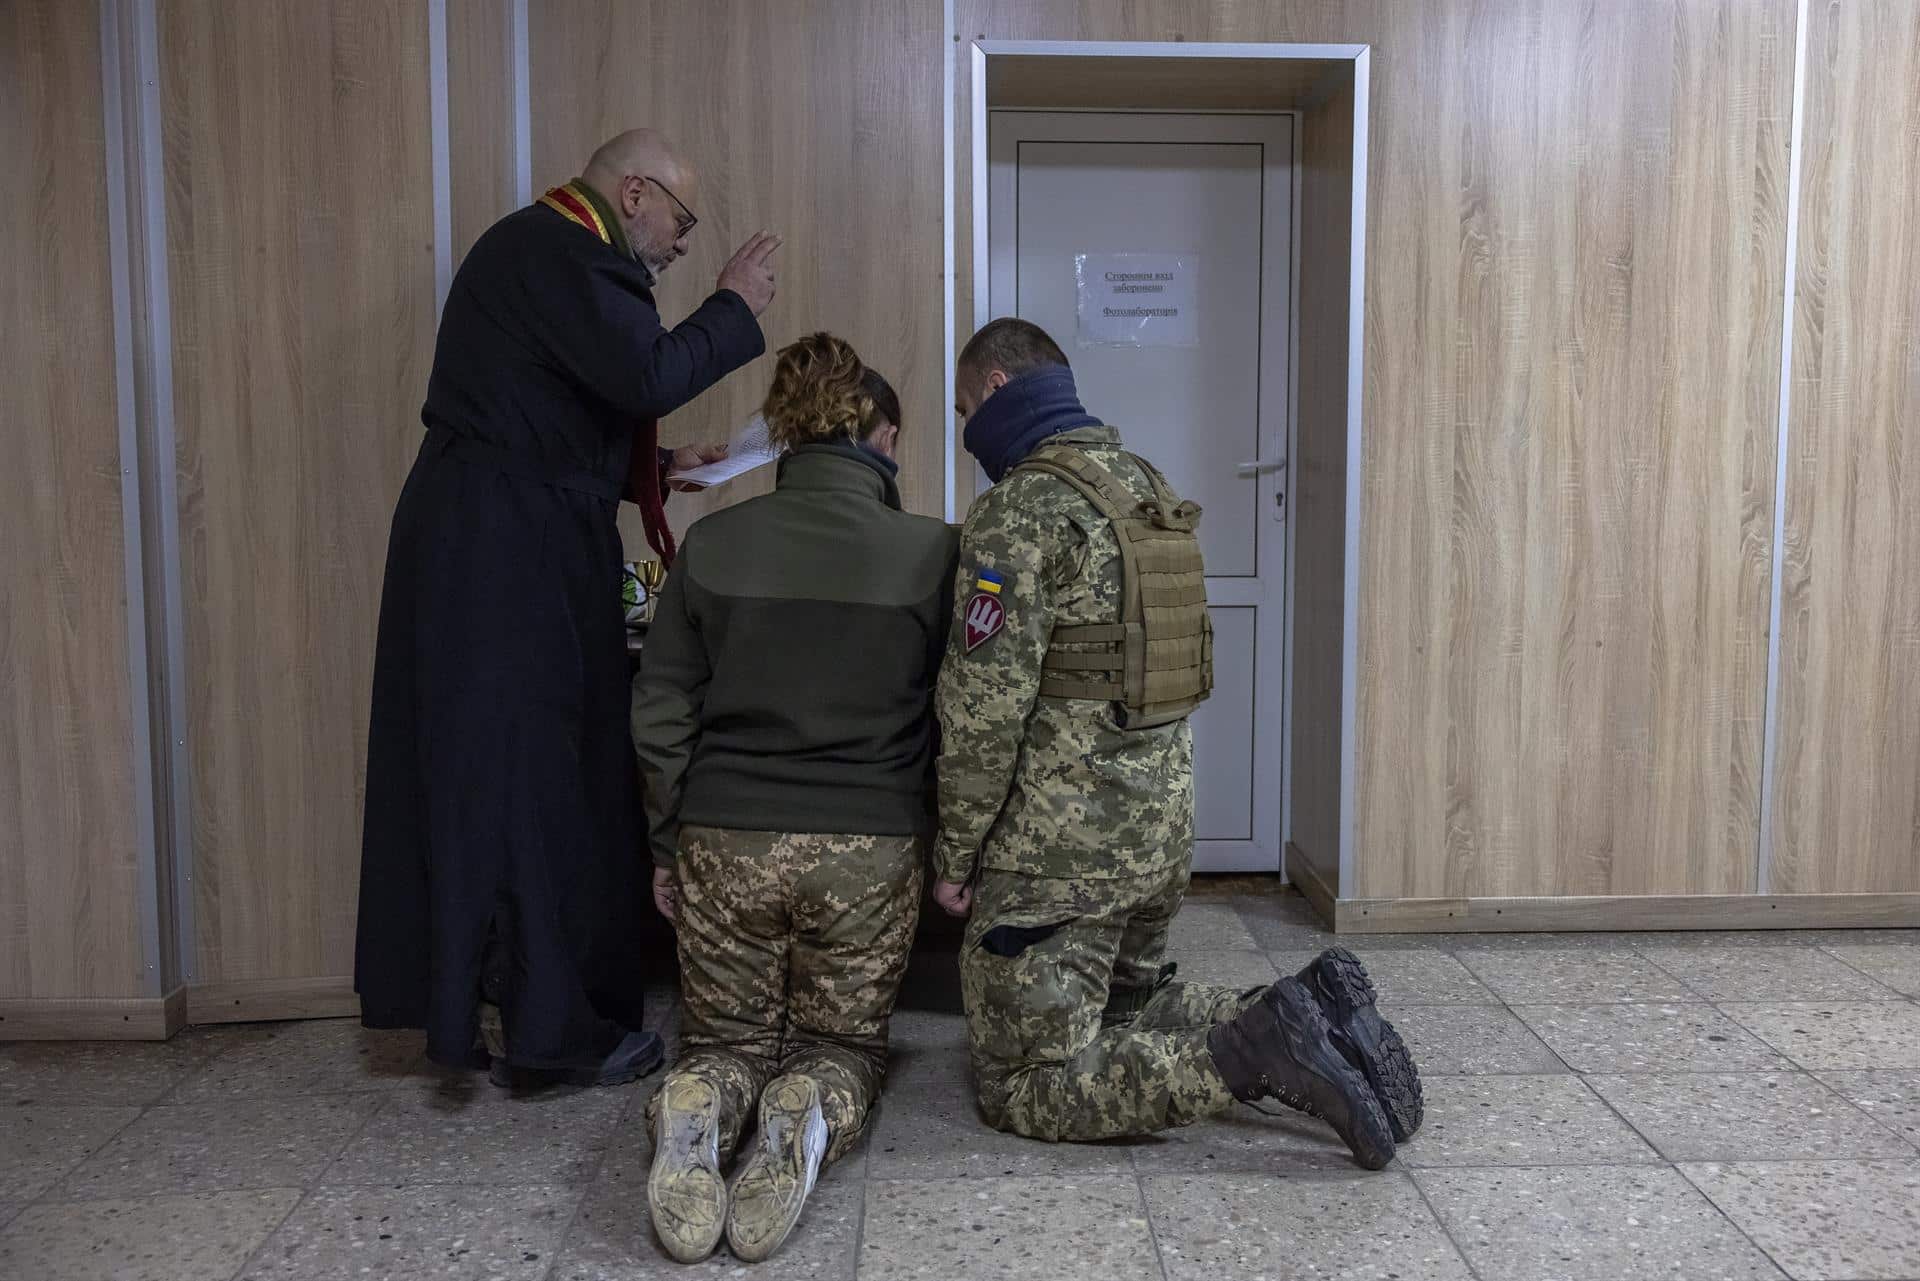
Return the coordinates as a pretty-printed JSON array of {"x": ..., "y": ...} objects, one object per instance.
[{"x": 502, "y": 846}]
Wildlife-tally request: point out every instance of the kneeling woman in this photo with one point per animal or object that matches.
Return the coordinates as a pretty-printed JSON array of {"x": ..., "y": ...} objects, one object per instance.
[{"x": 785, "y": 730}]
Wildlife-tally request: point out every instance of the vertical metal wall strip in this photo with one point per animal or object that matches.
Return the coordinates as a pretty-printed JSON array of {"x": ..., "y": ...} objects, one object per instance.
[
  {"x": 982, "y": 208},
  {"x": 522, "y": 60},
  {"x": 1769, "y": 751},
  {"x": 120, "y": 256},
  {"x": 165, "y": 461},
  {"x": 947, "y": 299},
  {"x": 1356, "y": 486},
  {"x": 442, "y": 165},
  {"x": 982, "y": 278}
]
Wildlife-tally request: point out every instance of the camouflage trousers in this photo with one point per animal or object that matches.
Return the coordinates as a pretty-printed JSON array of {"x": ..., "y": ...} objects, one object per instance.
[
  {"x": 1078, "y": 1031},
  {"x": 792, "y": 947}
]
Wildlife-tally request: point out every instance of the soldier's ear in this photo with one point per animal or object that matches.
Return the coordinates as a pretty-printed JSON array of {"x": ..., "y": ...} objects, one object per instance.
[{"x": 996, "y": 379}]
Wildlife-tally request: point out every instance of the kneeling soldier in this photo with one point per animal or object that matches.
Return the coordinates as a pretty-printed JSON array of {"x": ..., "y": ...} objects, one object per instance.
[{"x": 1080, "y": 646}]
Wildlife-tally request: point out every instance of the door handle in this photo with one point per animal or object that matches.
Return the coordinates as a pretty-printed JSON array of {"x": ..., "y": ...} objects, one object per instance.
[{"x": 1260, "y": 467}]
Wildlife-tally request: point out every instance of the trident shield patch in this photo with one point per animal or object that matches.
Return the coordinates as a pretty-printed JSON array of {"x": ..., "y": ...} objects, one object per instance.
[{"x": 985, "y": 617}]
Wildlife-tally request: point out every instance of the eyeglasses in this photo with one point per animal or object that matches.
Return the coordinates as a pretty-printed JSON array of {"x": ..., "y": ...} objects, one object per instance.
[{"x": 684, "y": 221}]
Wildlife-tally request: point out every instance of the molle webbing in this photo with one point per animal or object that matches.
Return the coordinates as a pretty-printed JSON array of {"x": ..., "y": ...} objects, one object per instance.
[{"x": 1157, "y": 659}]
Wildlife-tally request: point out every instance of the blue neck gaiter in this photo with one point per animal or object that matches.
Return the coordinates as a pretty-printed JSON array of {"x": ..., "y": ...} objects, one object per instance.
[{"x": 1014, "y": 420}]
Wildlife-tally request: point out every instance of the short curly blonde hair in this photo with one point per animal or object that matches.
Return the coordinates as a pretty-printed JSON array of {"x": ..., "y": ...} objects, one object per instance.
[{"x": 817, "y": 393}]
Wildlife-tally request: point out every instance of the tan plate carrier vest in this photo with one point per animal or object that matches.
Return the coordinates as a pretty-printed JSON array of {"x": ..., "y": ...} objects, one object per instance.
[{"x": 1156, "y": 662}]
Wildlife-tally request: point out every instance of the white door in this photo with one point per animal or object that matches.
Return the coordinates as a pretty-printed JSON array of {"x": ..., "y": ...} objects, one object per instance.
[{"x": 1157, "y": 249}]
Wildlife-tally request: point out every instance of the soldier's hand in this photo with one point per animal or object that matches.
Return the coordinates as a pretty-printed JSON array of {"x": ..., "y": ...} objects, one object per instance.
[
  {"x": 749, "y": 272},
  {"x": 954, "y": 897},
  {"x": 666, "y": 892}
]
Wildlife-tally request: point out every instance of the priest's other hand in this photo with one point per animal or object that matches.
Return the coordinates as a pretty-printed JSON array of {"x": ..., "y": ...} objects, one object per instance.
[{"x": 687, "y": 457}]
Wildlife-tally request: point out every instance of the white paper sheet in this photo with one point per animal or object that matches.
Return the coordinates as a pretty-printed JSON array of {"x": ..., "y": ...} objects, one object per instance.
[
  {"x": 751, "y": 448},
  {"x": 1137, "y": 300}
]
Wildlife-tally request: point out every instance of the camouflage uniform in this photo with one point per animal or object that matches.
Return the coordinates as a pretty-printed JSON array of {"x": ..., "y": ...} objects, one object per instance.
[
  {"x": 791, "y": 951},
  {"x": 1081, "y": 833}
]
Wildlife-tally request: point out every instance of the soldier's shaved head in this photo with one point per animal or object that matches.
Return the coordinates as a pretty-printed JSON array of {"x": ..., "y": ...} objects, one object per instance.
[
  {"x": 651, "y": 187},
  {"x": 1002, "y": 351},
  {"x": 1011, "y": 345}
]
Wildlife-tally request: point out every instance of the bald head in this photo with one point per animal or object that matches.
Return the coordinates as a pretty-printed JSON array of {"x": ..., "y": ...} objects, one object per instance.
[
  {"x": 651, "y": 187},
  {"x": 643, "y": 152}
]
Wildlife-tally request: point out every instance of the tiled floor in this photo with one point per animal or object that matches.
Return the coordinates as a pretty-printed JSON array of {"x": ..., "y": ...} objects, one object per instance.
[{"x": 1599, "y": 1106}]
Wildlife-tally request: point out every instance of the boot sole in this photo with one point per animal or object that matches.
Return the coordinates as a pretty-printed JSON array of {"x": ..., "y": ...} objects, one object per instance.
[
  {"x": 800, "y": 1104},
  {"x": 1371, "y": 1043},
  {"x": 688, "y": 1111}
]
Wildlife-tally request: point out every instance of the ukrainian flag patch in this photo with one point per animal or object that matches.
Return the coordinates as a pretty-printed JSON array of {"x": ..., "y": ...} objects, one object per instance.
[{"x": 989, "y": 581}]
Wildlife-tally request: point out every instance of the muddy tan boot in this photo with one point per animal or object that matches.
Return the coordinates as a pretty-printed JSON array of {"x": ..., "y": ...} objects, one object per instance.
[
  {"x": 772, "y": 1189},
  {"x": 685, "y": 1193}
]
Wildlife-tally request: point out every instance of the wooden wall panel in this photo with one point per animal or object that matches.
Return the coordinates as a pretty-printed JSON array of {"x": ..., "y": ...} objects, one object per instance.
[
  {"x": 1574, "y": 256},
  {"x": 300, "y": 229},
  {"x": 1319, "y": 480},
  {"x": 1572, "y": 370},
  {"x": 1847, "y": 781},
  {"x": 820, "y": 122},
  {"x": 479, "y": 118},
  {"x": 69, "y": 920}
]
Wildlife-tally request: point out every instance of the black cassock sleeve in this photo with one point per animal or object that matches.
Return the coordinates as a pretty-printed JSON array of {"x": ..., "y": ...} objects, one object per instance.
[{"x": 603, "y": 328}]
